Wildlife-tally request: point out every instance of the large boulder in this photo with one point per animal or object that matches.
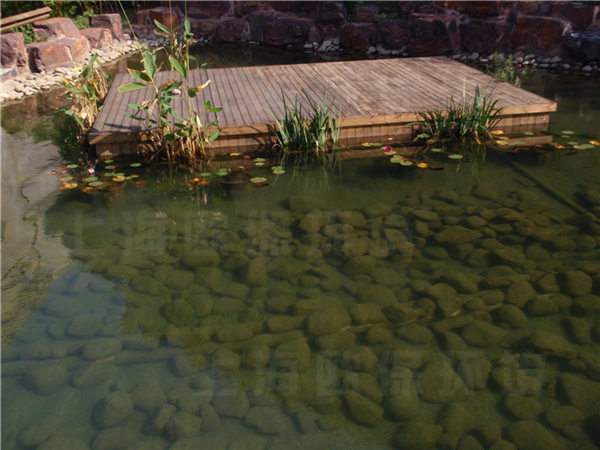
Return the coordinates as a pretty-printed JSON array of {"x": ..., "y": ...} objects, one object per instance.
[
  {"x": 356, "y": 38},
  {"x": 584, "y": 46},
  {"x": 232, "y": 29},
  {"x": 285, "y": 31},
  {"x": 208, "y": 10},
  {"x": 203, "y": 27},
  {"x": 167, "y": 15},
  {"x": 483, "y": 36},
  {"x": 414, "y": 435},
  {"x": 47, "y": 56},
  {"x": 78, "y": 47},
  {"x": 530, "y": 435},
  {"x": 12, "y": 52},
  {"x": 362, "y": 409},
  {"x": 580, "y": 14},
  {"x": 538, "y": 32},
  {"x": 439, "y": 383},
  {"x": 110, "y": 21},
  {"x": 432, "y": 34},
  {"x": 393, "y": 33},
  {"x": 98, "y": 37},
  {"x": 56, "y": 28}
]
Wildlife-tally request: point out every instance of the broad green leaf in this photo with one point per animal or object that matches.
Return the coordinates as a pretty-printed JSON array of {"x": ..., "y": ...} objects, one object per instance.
[
  {"x": 214, "y": 136},
  {"x": 176, "y": 65},
  {"x": 135, "y": 86},
  {"x": 161, "y": 27},
  {"x": 142, "y": 76},
  {"x": 136, "y": 164},
  {"x": 150, "y": 64}
]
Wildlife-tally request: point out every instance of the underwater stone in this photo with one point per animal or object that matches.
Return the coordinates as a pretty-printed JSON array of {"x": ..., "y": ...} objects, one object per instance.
[
  {"x": 302, "y": 204},
  {"x": 226, "y": 359},
  {"x": 361, "y": 358},
  {"x": 118, "y": 438},
  {"x": 362, "y": 409},
  {"x": 46, "y": 379},
  {"x": 378, "y": 335},
  {"x": 364, "y": 384},
  {"x": 38, "y": 432},
  {"x": 530, "y": 435},
  {"x": 285, "y": 268},
  {"x": 159, "y": 419},
  {"x": 586, "y": 305},
  {"x": 575, "y": 282},
  {"x": 278, "y": 324},
  {"x": 512, "y": 380},
  {"x": 511, "y": 315},
  {"x": 256, "y": 356},
  {"x": 340, "y": 341},
  {"x": 183, "y": 425},
  {"x": 440, "y": 291},
  {"x": 148, "y": 285},
  {"x": 548, "y": 283},
  {"x": 180, "y": 366},
  {"x": 148, "y": 396},
  {"x": 552, "y": 345},
  {"x": 455, "y": 420},
  {"x": 416, "y": 334},
  {"x": 582, "y": 393},
  {"x": 580, "y": 330},
  {"x": 452, "y": 323},
  {"x": 85, "y": 326},
  {"x": 203, "y": 442},
  {"x": 560, "y": 416},
  {"x": 231, "y": 404},
  {"x": 388, "y": 277},
  {"x": 250, "y": 442},
  {"x": 256, "y": 272},
  {"x": 509, "y": 256},
  {"x": 475, "y": 372},
  {"x": 268, "y": 420},
  {"x": 366, "y": 313},
  {"x": 92, "y": 375},
  {"x": 455, "y": 235},
  {"x": 355, "y": 247},
  {"x": 416, "y": 435},
  {"x": 522, "y": 407},
  {"x": 201, "y": 258},
  {"x": 62, "y": 443},
  {"x": 63, "y": 307},
  {"x": 503, "y": 445},
  {"x": 542, "y": 305},
  {"x": 180, "y": 313},
  {"x": 112, "y": 409},
  {"x": 292, "y": 355},
  {"x": 487, "y": 433},
  {"x": 375, "y": 293},
  {"x": 438, "y": 383},
  {"x": 101, "y": 349},
  {"x": 483, "y": 334},
  {"x": 327, "y": 321},
  {"x": 360, "y": 265},
  {"x": 210, "y": 418},
  {"x": 452, "y": 342},
  {"x": 479, "y": 258},
  {"x": 234, "y": 333},
  {"x": 460, "y": 282},
  {"x": 400, "y": 313},
  {"x": 174, "y": 278}
]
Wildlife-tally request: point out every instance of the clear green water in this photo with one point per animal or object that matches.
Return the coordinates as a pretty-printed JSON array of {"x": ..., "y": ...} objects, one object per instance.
[{"x": 370, "y": 307}]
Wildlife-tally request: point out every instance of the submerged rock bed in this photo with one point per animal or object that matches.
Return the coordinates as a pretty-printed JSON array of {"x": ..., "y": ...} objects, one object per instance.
[{"x": 446, "y": 318}]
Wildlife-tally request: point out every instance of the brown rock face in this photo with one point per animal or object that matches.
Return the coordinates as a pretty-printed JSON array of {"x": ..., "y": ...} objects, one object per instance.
[
  {"x": 483, "y": 36},
  {"x": 432, "y": 34},
  {"x": 285, "y": 31},
  {"x": 169, "y": 17},
  {"x": 203, "y": 27},
  {"x": 393, "y": 33},
  {"x": 365, "y": 13},
  {"x": 143, "y": 17},
  {"x": 143, "y": 31},
  {"x": 208, "y": 10},
  {"x": 257, "y": 21},
  {"x": 538, "y": 32},
  {"x": 78, "y": 47},
  {"x": 13, "y": 53},
  {"x": 581, "y": 14},
  {"x": 48, "y": 55},
  {"x": 56, "y": 28},
  {"x": 98, "y": 37},
  {"x": 233, "y": 30},
  {"x": 110, "y": 21},
  {"x": 356, "y": 38}
]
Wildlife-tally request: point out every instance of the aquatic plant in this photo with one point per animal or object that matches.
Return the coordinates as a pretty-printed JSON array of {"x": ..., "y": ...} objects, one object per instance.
[
  {"x": 503, "y": 68},
  {"x": 85, "y": 94},
  {"x": 462, "y": 121},
  {"x": 311, "y": 134},
  {"x": 171, "y": 135}
]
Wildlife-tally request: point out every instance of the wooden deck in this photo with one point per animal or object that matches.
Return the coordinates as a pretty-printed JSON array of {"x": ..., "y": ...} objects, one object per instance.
[{"x": 377, "y": 100}]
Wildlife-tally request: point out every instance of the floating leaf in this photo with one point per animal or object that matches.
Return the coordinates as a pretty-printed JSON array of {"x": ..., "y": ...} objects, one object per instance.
[
  {"x": 406, "y": 163},
  {"x": 279, "y": 172},
  {"x": 259, "y": 160},
  {"x": 120, "y": 174},
  {"x": 96, "y": 183},
  {"x": 436, "y": 150},
  {"x": 108, "y": 161},
  {"x": 257, "y": 180},
  {"x": 234, "y": 154},
  {"x": 65, "y": 179},
  {"x": 366, "y": 144},
  {"x": 572, "y": 143},
  {"x": 584, "y": 146},
  {"x": 559, "y": 146},
  {"x": 109, "y": 167},
  {"x": 390, "y": 153},
  {"x": 222, "y": 172},
  {"x": 259, "y": 164},
  {"x": 513, "y": 143},
  {"x": 276, "y": 168},
  {"x": 455, "y": 156},
  {"x": 422, "y": 165},
  {"x": 596, "y": 143},
  {"x": 135, "y": 164},
  {"x": 502, "y": 143},
  {"x": 110, "y": 174},
  {"x": 118, "y": 179},
  {"x": 91, "y": 179},
  {"x": 72, "y": 166},
  {"x": 497, "y": 132},
  {"x": 206, "y": 174},
  {"x": 567, "y": 132}
]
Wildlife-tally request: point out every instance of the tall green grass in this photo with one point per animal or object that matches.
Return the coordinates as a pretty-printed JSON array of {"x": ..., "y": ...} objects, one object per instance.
[{"x": 464, "y": 121}]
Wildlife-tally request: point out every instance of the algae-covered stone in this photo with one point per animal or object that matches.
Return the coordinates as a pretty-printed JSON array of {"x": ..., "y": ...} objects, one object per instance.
[
  {"x": 256, "y": 272},
  {"x": 378, "y": 335},
  {"x": 475, "y": 372},
  {"x": 519, "y": 293},
  {"x": 483, "y": 334},
  {"x": 286, "y": 267},
  {"x": 511, "y": 315},
  {"x": 85, "y": 326},
  {"x": 148, "y": 396},
  {"x": 226, "y": 359},
  {"x": 503, "y": 445},
  {"x": 159, "y": 419},
  {"x": 580, "y": 330},
  {"x": 234, "y": 333},
  {"x": 552, "y": 345},
  {"x": 512, "y": 380},
  {"x": 364, "y": 384},
  {"x": 174, "y": 278},
  {"x": 509, "y": 256},
  {"x": 522, "y": 407},
  {"x": 231, "y": 404},
  {"x": 340, "y": 341},
  {"x": 180, "y": 313},
  {"x": 250, "y": 442},
  {"x": 400, "y": 313},
  {"x": 417, "y": 435},
  {"x": 92, "y": 374},
  {"x": 542, "y": 305},
  {"x": 531, "y": 435},
  {"x": 360, "y": 265},
  {"x": 582, "y": 393},
  {"x": 455, "y": 235},
  {"x": 210, "y": 418},
  {"x": 363, "y": 410},
  {"x": 361, "y": 358},
  {"x": 101, "y": 349},
  {"x": 327, "y": 321},
  {"x": 440, "y": 291},
  {"x": 455, "y": 420},
  {"x": 460, "y": 282},
  {"x": 292, "y": 355},
  {"x": 417, "y": 334},
  {"x": 268, "y": 420},
  {"x": 62, "y": 443},
  {"x": 366, "y": 313},
  {"x": 201, "y": 442},
  {"x": 112, "y": 409},
  {"x": 354, "y": 247},
  {"x": 438, "y": 383},
  {"x": 452, "y": 323},
  {"x": 256, "y": 356},
  {"x": 183, "y": 425},
  {"x": 47, "y": 378},
  {"x": 586, "y": 305},
  {"x": 574, "y": 282},
  {"x": 117, "y": 438},
  {"x": 278, "y": 324},
  {"x": 39, "y": 431},
  {"x": 560, "y": 416},
  {"x": 201, "y": 257},
  {"x": 374, "y": 293}
]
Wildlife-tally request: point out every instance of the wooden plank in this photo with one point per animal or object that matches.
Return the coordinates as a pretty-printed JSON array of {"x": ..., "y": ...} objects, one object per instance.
[{"x": 9, "y": 22}]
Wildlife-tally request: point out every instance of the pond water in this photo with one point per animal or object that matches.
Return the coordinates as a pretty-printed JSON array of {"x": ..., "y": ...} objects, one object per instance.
[{"x": 366, "y": 306}]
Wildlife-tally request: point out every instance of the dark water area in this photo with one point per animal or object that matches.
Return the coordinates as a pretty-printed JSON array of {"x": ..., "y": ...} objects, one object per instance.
[{"x": 367, "y": 306}]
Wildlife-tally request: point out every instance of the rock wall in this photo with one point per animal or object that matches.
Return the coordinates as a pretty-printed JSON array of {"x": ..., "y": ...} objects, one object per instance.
[{"x": 420, "y": 28}]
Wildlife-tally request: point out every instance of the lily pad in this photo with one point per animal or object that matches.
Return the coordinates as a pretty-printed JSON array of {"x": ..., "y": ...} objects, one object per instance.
[
  {"x": 65, "y": 179},
  {"x": 206, "y": 174},
  {"x": 436, "y": 150},
  {"x": 136, "y": 164},
  {"x": 108, "y": 161},
  {"x": 406, "y": 163},
  {"x": 567, "y": 132},
  {"x": 109, "y": 167},
  {"x": 258, "y": 180},
  {"x": 279, "y": 172},
  {"x": 259, "y": 160},
  {"x": 584, "y": 146},
  {"x": 110, "y": 174},
  {"x": 91, "y": 179},
  {"x": 119, "y": 174},
  {"x": 455, "y": 156},
  {"x": 277, "y": 168},
  {"x": 96, "y": 183},
  {"x": 72, "y": 166},
  {"x": 222, "y": 172},
  {"x": 572, "y": 143},
  {"x": 259, "y": 164}
]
